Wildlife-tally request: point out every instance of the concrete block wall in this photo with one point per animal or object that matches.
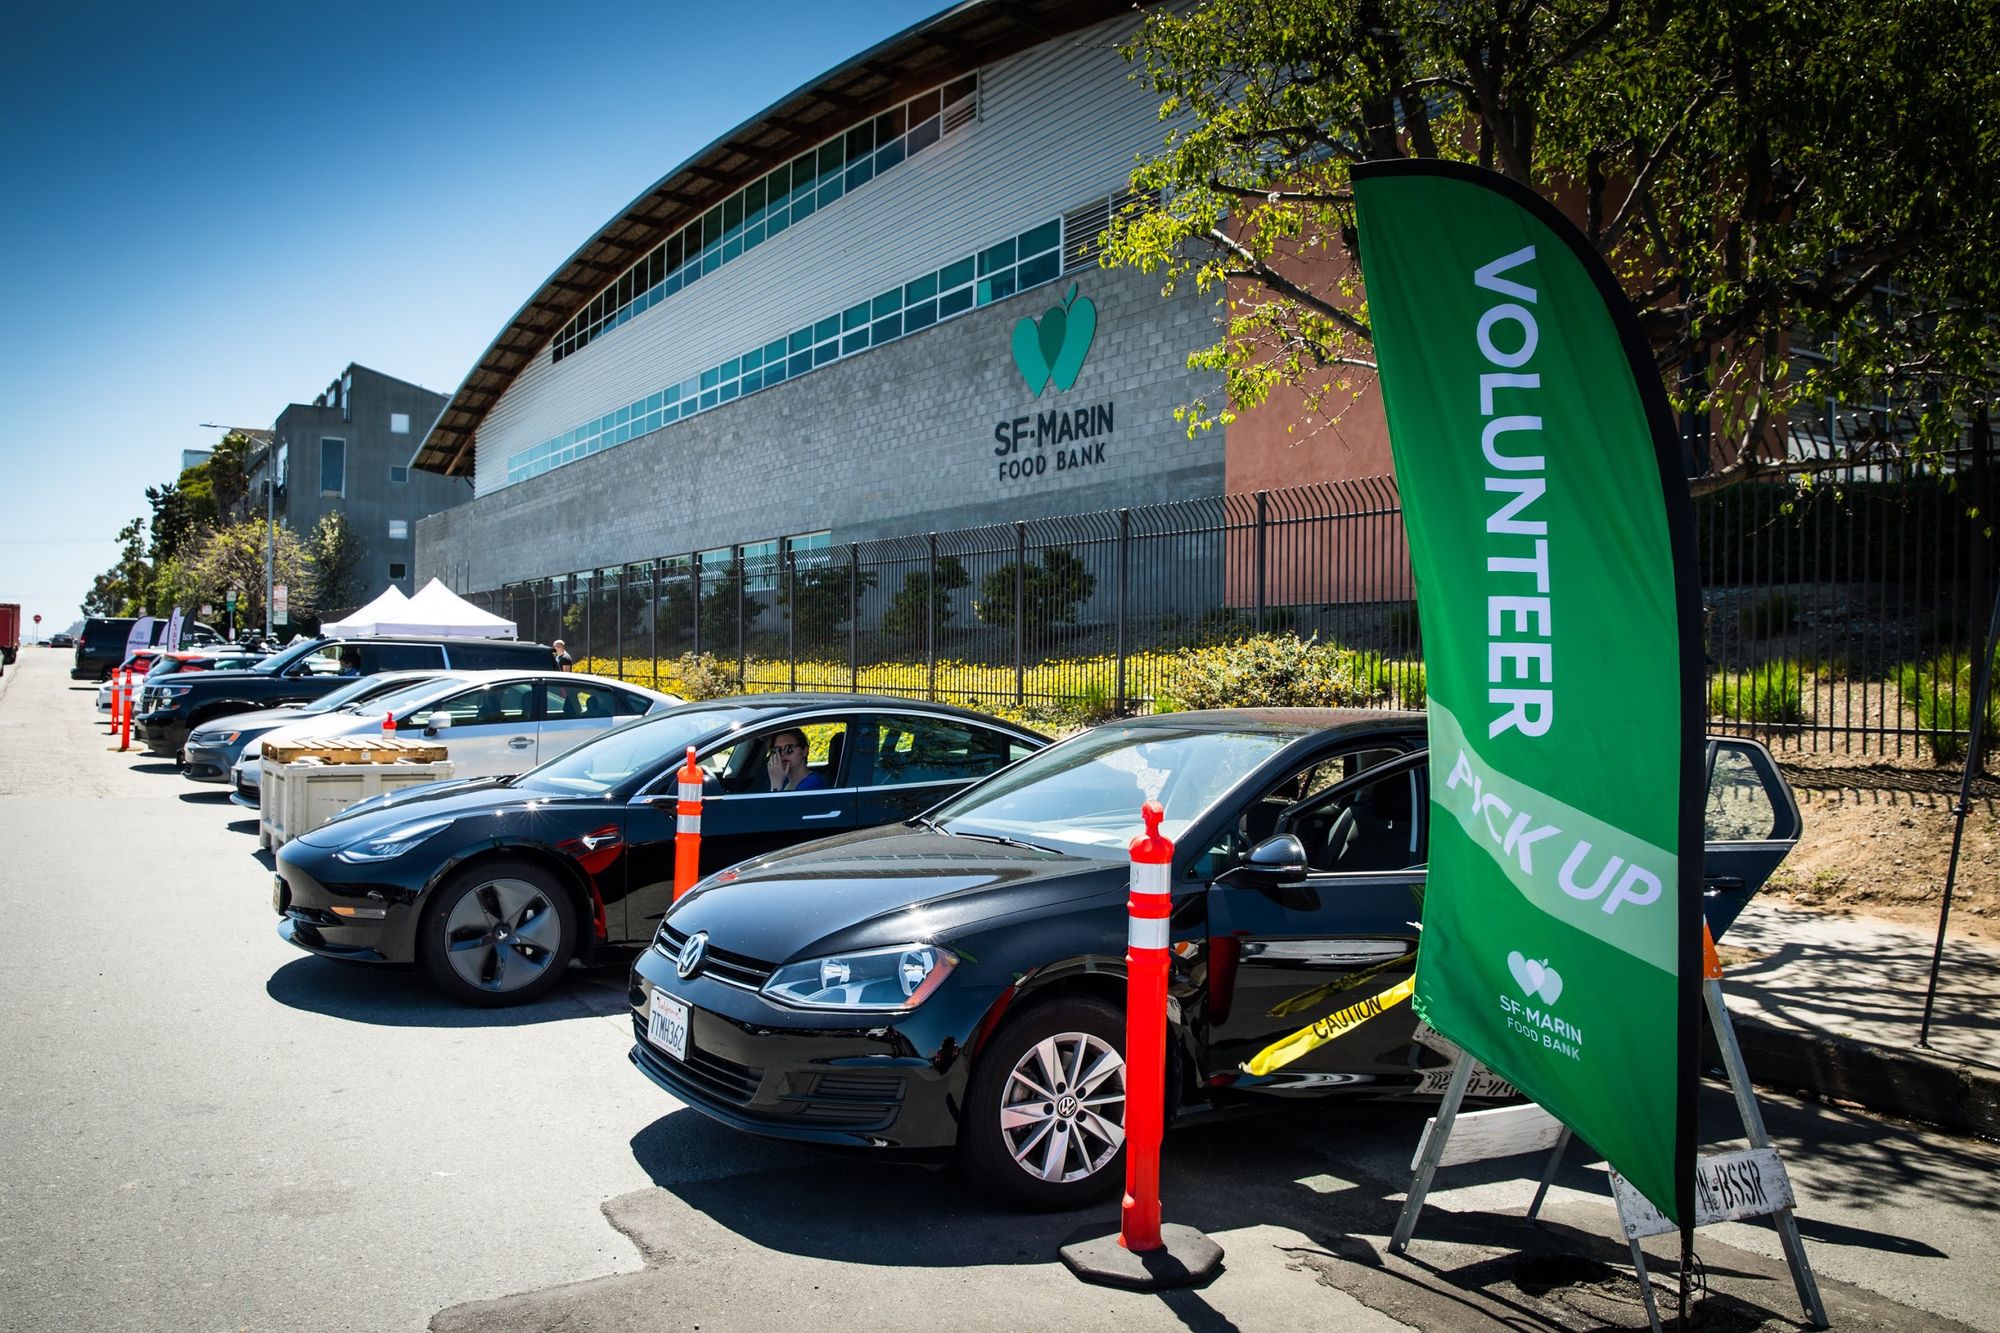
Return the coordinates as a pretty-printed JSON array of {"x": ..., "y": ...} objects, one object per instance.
[{"x": 897, "y": 440}]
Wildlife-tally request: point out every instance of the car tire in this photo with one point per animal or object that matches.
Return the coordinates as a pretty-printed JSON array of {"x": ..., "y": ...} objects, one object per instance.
[
  {"x": 498, "y": 932},
  {"x": 1041, "y": 1147}
]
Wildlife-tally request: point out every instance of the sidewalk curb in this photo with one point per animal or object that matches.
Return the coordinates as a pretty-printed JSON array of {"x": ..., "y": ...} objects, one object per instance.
[{"x": 1912, "y": 1084}]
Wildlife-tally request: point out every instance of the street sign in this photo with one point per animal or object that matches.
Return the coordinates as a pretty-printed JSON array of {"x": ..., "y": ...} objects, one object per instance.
[
  {"x": 279, "y": 599},
  {"x": 230, "y": 600}
]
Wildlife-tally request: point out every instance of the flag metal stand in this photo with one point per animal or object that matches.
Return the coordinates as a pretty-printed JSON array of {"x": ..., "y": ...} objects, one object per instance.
[{"x": 1729, "y": 1186}]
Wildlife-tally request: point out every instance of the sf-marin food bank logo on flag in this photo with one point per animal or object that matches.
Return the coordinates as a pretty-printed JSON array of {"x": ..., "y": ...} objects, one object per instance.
[{"x": 1051, "y": 350}]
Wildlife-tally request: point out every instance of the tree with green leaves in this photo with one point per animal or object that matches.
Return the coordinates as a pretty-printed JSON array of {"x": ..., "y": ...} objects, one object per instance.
[
  {"x": 126, "y": 588},
  {"x": 233, "y": 557},
  {"x": 1763, "y": 176},
  {"x": 1053, "y": 589},
  {"x": 335, "y": 552}
]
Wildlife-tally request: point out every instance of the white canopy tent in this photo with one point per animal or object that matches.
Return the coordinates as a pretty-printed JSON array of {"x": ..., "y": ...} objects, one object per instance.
[
  {"x": 438, "y": 612},
  {"x": 361, "y": 623}
]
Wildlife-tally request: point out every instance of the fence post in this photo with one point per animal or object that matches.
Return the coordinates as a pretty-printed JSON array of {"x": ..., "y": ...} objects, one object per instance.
[
  {"x": 741, "y": 654},
  {"x": 1124, "y": 578},
  {"x": 654, "y": 638},
  {"x": 792, "y": 616},
  {"x": 618, "y": 617},
  {"x": 1263, "y": 512},
  {"x": 930, "y": 622},
  {"x": 694, "y": 573},
  {"x": 854, "y": 617},
  {"x": 1020, "y": 605}
]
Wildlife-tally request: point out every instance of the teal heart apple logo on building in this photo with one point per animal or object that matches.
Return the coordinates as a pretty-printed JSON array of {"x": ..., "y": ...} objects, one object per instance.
[{"x": 1052, "y": 350}]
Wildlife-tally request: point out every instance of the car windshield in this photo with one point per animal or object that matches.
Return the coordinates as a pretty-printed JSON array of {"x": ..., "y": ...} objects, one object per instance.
[
  {"x": 1083, "y": 795},
  {"x": 353, "y": 690},
  {"x": 418, "y": 692},
  {"x": 600, "y": 764}
]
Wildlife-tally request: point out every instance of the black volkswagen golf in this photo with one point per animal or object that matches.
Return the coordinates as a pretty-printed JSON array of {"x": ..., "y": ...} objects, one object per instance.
[
  {"x": 493, "y": 885},
  {"x": 955, "y": 984}
]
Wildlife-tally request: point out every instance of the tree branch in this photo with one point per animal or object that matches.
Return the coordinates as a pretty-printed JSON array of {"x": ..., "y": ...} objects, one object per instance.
[{"x": 1262, "y": 272}]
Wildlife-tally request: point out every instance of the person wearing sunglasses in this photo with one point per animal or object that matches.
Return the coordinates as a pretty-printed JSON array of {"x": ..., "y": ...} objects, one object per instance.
[{"x": 787, "y": 764}]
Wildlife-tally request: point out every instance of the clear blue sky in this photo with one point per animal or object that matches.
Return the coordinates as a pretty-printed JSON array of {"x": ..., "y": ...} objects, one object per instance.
[{"x": 210, "y": 209}]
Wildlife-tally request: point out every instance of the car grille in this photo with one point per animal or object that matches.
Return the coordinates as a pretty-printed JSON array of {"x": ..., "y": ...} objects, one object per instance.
[
  {"x": 735, "y": 968},
  {"x": 703, "y": 1071}
]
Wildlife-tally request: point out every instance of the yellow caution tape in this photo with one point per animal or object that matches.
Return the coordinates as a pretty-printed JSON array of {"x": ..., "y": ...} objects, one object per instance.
[
  {"x": 1305, "y": 1040},
  {"x": 1311, "y": 999}
]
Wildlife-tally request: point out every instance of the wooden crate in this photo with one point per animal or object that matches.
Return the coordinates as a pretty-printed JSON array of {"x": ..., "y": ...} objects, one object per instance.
[
  {"x": 354, "y": 750},
  {"x": 297, "y": 797}
]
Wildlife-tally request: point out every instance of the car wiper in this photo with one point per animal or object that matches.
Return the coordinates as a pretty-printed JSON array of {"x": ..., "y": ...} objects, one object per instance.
[
  {"x": 1005, "y": 841},
  {"x": 932, "y": 825}
]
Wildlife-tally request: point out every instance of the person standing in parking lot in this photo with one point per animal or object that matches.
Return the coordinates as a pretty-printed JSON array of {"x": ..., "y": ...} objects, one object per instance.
[{"x": 564, "y": 662}]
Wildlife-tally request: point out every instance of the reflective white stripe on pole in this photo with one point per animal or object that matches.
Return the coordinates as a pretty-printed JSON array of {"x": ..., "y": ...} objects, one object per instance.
[
  {"x": 1149, "y": 932},
  {"x": 690, "y": 794},
  {"x": 1150, "y": 878}
]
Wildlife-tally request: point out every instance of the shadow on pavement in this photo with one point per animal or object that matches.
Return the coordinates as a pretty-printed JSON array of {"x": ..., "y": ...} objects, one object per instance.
[
  {"x": 401, "y": 997},
  {"x": 250, "y": 825},
  {"x": 157, "y": 766},
  {"x": 217, "y": 797},
  {"x": 1287, "y": 1169}
]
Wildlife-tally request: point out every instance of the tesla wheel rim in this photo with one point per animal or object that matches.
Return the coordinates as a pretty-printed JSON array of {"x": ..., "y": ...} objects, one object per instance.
[
  {"x": 1062, "y": 1113},
  {"x": 502, "y": 936}
]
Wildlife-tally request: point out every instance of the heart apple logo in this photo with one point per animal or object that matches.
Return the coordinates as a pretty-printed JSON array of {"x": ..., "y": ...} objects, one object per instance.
[
  {"x": 1053, "y": 349},
  {"x": 1535, "y": 977}
]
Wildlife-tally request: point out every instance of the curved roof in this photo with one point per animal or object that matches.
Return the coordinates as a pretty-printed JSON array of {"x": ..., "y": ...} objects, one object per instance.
[{"x": 963, "y": 38}]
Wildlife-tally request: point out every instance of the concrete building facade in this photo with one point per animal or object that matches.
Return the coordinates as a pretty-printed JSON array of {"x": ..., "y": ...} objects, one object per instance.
[
  {"x": 348, "y": 452},
  {"x": 874, "y": 309}
]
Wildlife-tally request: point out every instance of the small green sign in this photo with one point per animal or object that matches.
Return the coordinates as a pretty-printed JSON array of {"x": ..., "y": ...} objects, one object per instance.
[{"x": 1052, "y": 350}]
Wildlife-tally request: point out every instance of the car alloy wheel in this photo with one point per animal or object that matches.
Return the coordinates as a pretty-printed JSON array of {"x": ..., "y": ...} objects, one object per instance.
[
  {"x": 1063, "y": 1116},
  {"x": 500, "y": 934},
  {"x": 1044, "y": 1119}
]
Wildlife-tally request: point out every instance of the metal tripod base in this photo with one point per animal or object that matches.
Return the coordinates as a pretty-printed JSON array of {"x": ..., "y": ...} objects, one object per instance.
[{"x": 1186, "y": 1259}]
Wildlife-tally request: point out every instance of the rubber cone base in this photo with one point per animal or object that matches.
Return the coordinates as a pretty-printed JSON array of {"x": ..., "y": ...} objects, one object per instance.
[{"x": 1187, "y": 1259}]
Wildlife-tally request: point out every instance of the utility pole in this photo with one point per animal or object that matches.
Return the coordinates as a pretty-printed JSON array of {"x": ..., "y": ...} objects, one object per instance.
[{"x": 270, "y": 539}]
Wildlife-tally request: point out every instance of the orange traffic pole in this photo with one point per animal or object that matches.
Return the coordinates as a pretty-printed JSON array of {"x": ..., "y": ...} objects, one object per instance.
[
  {"x": 125, "y": 721},
  {"x": 1150, "y": 905},
  {"x": 117, "y": 692},
  {"x": 1711, "y": 966},
  {"x": 1144, "y": 1255},
  {"x": 687, "y": 829}
]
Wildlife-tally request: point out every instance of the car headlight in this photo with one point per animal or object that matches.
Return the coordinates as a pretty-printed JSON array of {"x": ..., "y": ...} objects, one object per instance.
[
  {"x": 213, "y": 737},
  {"x": 167, "y": 691},
  {"x": 900, "y": 977},
  {"x": 388, "y": 846}
]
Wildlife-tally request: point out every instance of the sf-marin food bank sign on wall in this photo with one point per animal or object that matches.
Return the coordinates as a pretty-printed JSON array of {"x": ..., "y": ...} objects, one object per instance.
[{"x": 1061, "y": 439}]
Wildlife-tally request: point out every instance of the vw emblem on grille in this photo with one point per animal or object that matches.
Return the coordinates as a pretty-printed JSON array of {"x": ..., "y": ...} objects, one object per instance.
[{"x": 689, "y": 961}]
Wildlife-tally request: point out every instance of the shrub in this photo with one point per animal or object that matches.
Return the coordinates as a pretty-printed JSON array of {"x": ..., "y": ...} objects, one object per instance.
[
  {"x": 1773, "y": 613},
  {"x": 1400, "y": 681},
  {"x": 1772, "y": 692},
  {"x": 1051, "y": 592},
  {"x": 1938, "y": 694},
  {"x": 1268, "y": 671},
  {"x": 908, "y": 618}
]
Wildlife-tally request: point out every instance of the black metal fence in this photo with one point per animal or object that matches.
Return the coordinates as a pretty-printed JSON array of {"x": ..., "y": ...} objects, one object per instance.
[{"x": 1838, "y": 621}]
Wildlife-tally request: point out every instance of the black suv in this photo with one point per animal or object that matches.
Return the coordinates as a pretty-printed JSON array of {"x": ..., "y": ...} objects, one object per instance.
[
  {"x": 167, "y": 711},
  {"x": 101, "y": 646}
]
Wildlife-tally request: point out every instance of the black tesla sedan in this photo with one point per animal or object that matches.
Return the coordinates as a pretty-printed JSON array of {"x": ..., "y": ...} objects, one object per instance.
[
  {"x": 494, "y": 885},
  {"x": 955, "y": 984}
]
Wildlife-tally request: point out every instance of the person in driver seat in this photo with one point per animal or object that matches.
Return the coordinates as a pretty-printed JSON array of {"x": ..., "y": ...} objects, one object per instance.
[{"x": 786, "y": 764}]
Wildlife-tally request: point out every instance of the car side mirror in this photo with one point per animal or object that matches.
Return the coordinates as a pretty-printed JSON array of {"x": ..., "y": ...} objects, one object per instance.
[
  {"x": 1276, "y": 860},
  {"x": 439, "y": 720}
]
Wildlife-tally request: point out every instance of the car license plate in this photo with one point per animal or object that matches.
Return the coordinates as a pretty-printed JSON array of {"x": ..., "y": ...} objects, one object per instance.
[
  {"x": 278, "y": 894},
  {"x": 667, "y": 1025}
]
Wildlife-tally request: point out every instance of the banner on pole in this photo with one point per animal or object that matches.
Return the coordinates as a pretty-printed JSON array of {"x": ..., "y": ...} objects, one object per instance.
[
  {"x": 175, "y": 623},
  {"x": 140, "y": 635},
  {"x": 1550, "y": 534}
]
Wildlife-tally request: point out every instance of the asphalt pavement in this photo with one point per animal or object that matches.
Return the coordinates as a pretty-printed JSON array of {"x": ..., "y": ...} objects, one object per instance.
[{"x": 201, "y": 1128}]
